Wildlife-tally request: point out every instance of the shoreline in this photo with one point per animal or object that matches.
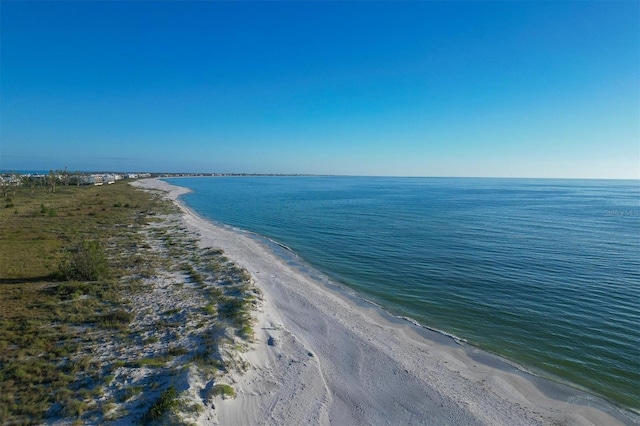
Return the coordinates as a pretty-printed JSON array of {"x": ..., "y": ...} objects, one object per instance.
[
  {"x": 552, "y": 385},
  {"x": 323, "y": 355}
]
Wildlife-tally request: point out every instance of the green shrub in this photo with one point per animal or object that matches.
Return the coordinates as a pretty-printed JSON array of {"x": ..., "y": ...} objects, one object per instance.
[
  {"x": 209, "y": 309},
  {"x": 223, "y": 390},
  {"x": 232, "y": 309},
  {"x": 86, "y": 262},
  {"x": 167, "y": 401},
  {"x": 246, "y": 333}
]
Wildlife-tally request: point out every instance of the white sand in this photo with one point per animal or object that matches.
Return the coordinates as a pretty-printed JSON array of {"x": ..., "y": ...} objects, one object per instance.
[{"x": 322, "y": 358}]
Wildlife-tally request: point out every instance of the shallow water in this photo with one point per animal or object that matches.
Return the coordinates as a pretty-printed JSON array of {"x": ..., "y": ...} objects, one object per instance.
[{"x": 543, "y": 272}]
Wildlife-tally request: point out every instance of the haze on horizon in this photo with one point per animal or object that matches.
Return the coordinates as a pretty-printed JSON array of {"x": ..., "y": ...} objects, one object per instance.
[{"x": 500, "y": 89}]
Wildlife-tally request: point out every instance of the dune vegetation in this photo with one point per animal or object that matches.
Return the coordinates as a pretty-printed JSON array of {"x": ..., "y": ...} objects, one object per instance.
[{"x": 109, "y": 305}]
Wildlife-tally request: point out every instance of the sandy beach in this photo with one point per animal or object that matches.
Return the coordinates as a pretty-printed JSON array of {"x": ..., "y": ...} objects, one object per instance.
[{"x": 321, "y": 356}]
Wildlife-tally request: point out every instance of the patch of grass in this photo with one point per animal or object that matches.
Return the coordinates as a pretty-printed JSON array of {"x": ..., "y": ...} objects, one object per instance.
[
  {"x": 130, "y": 392},
  {"x": 231, "y": 308},
  {"x": 49, "y": 211},
  {"x": 151, "y": 340},
  {"x": 108, "y": 407},
  {"x": 156, "y": 362},
  {"x": 115, "y": 319},
  {"x": 213, "y": 252},
  {"x": 234, "y": 309},
  {"x": 214, "y": 293},
  {"x": 210, "y": 309},
  {"x": 167, "y": 402},
  {"x": 177, "y": 351},
  {"x": 196, "y": 408},
  {"x": 75, "y": 408},
  {"x": 222, "y": 389},
  {"x": 209, "y": 360},
  {"x": 195, "y": 275},
  {"x": 246, "y": 333}
]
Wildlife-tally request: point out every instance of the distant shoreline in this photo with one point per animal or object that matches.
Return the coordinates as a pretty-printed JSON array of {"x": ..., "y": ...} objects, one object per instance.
[{"x": 162, "y": 175}]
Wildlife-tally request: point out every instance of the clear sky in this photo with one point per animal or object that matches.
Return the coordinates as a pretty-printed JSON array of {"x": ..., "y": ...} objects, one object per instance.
[{"x": 413, "y": 88}]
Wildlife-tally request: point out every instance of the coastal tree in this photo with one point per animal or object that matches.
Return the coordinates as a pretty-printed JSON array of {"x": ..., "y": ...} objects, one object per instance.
[
  {"x": 4, "y": 184},
  {"x": 52, "y": 181},
  {"x": 65, "y": 176},
  {"x": 9, "y": 183},
  {"x": 25, "y": 180}
]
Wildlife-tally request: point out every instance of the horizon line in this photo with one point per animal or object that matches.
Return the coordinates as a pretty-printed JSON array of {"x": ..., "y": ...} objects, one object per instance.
[{"x": 278, "y": 174}]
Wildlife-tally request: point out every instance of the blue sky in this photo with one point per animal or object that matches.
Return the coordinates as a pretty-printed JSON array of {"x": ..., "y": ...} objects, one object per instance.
[{"x": 518, "y": 89}]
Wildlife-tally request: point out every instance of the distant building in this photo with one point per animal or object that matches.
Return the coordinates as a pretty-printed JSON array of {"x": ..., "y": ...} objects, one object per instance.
[{"x": 86, "y": 180}]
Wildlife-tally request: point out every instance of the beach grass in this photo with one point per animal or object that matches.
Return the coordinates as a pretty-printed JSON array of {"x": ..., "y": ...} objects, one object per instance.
[
  {"x": 59, "y": 256},
  {"x": 71, "y": 264},
  {"x": 167, "y": 402},
  {"x": 224, "y": 390}
]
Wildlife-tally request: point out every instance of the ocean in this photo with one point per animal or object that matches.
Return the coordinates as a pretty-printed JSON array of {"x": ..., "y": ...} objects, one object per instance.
[{"x": 545, "y": 273}]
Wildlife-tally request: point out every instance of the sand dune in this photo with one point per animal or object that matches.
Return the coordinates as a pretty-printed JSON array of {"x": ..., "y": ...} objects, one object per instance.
[{"x": 321, "y": 357}]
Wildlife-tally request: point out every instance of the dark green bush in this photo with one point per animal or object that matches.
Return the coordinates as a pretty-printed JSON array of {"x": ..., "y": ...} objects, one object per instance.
[
  {"x": 86, "y": 262},
  {"x": 167, "y": 401}
]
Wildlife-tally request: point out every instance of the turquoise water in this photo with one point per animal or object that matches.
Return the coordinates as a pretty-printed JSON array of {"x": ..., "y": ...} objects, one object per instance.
[{"x": 543, "y": 272}]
